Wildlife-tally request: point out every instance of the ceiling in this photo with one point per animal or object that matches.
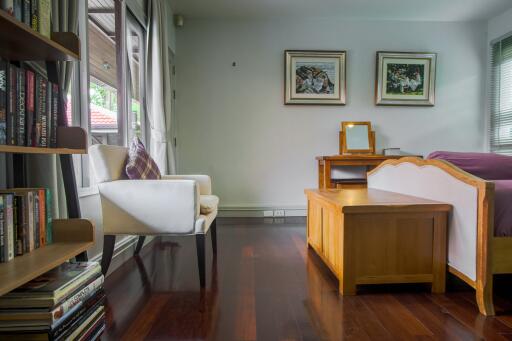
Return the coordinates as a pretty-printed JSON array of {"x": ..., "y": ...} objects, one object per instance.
[{"x": 409, "y": 10}]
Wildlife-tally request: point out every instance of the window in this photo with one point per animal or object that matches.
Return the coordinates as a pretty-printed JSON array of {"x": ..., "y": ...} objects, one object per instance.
[{"x": 501, "y": 97}]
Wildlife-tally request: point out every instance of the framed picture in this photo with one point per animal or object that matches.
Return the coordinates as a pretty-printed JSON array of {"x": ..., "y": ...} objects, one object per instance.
[
  {"x": 405, "y": 78},
  {"x": 315, "y": 77}
]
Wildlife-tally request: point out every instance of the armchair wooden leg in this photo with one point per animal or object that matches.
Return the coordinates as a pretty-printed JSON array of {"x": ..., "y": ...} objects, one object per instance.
[
  {"x": 200, "y": 241},
  {"x": 108, "y": 251},
  {"x": 140, "y": 243},
  {"x": 213, "y": 228}
]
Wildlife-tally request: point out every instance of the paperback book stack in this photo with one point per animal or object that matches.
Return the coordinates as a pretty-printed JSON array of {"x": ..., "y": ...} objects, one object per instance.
[
  {"x": 29, "y": 106},
  {"x": 66, "y": 303},
  {"x": 33, "y": 13},
  {"x": 25, "y": 221}
]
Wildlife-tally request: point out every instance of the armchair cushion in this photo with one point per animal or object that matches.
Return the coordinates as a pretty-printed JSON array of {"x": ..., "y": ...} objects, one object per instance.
[
  {"x": 208, "y": 203},
  {"x": 108, "y": 162},
  {"x": 140, "y": 165}
]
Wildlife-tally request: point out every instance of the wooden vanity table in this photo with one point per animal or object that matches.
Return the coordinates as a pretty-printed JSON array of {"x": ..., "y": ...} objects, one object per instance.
[
  {"x": 326, "y": 163},
  {"x": 357, "y": 156}
]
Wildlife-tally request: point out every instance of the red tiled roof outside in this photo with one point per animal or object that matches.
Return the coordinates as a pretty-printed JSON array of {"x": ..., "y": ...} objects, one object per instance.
[{"x": 101, "y": 118}]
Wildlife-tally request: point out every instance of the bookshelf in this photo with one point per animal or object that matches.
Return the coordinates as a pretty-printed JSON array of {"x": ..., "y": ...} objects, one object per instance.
[
  {"x": 73, "y": 236},
  {"x": 20, "y": 42}
]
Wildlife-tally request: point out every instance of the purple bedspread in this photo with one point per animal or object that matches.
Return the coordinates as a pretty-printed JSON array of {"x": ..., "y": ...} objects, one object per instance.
[
  {"x": 503, "y": 208},
  {"x": 488, "y": 166}
]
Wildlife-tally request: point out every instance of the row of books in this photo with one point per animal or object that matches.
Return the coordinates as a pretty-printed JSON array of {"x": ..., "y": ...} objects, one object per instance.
[
  {"x": 34, "y": 13},
  {"x": 28, "y": 107},
  {"x": 66, "y": 303},
  {"x": 25, "y": 221}
]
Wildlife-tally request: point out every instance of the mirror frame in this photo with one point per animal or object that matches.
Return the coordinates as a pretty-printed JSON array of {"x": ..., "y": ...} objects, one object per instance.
[{"x": 371, "y": 142}]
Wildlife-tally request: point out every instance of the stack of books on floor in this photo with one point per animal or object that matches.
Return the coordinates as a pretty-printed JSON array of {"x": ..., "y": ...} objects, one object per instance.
[
  {"x": 25, "y": 221},
  {"x": 66, "y": 303}
]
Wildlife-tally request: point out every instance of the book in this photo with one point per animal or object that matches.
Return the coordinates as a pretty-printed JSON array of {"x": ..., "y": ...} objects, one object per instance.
[
  {"x": 42, "y": 217},
  {"x": 52, "y": 287},
  {"x": 45, "y": 122},
  {"x": 54, "y": 116},
  {"x": 34, "y": 14},
  {"x": 76, "y": 304},
  {"x": 29, "y": 107},
  {"x": 8, "y": 6},
  {"x": 49, "y": 215},
  {"x": 2, "y": 231},
  {"x": 21, "y": 224},
  {"x": 9, "y": 226},
  {"x": 37, "y": 227},
  {"x": 40, "y": 111},
  {"x": 18, "y": 239},
  {"x": 3, "y": 102},
  {"x": 26, "y": 12},
  {"x": 11, "y": 104},
  {"x": 44, "y": 17},
  {"x": 20, "y": 112},
  {"x": 18, "y": 10},
  {"x": 29, "y": 216}
]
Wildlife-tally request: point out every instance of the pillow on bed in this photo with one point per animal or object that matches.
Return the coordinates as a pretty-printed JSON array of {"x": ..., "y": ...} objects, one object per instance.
[{"x": 488, "y": 166}]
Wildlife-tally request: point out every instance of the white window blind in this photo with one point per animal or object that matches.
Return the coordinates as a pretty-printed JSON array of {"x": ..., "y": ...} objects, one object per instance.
[{"x": 501, "y": 97}]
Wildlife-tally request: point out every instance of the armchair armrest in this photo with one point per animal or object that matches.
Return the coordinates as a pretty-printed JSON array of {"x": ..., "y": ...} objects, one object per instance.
[
  {"x": 148, "y": 207},
  {"x": 204, "y": 181}
]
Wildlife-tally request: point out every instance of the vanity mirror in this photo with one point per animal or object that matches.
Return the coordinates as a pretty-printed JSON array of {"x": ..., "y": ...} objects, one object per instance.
[{"x": 357, "y": 138}]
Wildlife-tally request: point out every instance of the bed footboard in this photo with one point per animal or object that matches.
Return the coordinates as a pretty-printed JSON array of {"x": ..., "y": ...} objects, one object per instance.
[{"x": 470, "y": 224}]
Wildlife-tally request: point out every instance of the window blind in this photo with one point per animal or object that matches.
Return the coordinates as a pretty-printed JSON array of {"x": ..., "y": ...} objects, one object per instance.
[{"x": 501, "y": 97}]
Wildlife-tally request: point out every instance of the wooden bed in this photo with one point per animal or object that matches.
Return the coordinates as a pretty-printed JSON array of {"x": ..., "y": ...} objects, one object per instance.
[{"x": 474, "y": 253}]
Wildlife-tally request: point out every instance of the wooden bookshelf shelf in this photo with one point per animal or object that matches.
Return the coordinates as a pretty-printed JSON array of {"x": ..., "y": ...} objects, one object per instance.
[
  {"x": 40, "y": 150},
  {"x": 71, "y": 237},
  {"x": 20, "y": 42}
]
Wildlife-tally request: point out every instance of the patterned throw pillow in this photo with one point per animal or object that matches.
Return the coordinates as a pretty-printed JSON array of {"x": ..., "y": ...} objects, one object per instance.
[{"x": 140, "y": 165}]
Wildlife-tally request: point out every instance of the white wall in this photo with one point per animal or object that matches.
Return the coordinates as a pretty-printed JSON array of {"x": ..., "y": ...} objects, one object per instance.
[
  {"x": 499, "y": 25},
  {"x": 233, "y": 125}
]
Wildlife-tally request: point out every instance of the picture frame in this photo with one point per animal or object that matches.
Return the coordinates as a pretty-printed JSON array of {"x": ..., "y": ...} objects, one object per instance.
[
  {"x": 315, "y": 77},
  {"x": 405, "y": 78}
]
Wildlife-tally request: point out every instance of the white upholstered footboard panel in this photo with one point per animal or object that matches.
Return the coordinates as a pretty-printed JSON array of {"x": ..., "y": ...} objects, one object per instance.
[{"x": 434, "y": 183}]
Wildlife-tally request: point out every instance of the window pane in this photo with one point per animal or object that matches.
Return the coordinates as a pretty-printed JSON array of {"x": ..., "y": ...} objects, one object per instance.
[
  {"x": 135, "y": 46},
  {"x": 103, "y": 74}
]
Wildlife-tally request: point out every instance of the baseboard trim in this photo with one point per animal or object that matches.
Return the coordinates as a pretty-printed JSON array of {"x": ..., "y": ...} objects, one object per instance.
[{"x": 259, "y": 211}]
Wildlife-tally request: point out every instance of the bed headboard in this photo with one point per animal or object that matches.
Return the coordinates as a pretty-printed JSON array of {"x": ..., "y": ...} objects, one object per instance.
[{"x": 441, "y": 181}]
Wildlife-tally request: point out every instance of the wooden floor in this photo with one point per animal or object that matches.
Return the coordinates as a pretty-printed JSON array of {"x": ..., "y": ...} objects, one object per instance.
[{"x": 266, "y": 285}]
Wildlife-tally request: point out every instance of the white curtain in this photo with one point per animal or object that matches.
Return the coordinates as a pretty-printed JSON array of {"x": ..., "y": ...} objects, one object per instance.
[{"x": 158, "y": 88}]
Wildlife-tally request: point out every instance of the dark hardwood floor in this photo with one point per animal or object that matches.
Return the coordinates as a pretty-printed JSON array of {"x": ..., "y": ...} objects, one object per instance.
[{"x": 266, "y": 285}]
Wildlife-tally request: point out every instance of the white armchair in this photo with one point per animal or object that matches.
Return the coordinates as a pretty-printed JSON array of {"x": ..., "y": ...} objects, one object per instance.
[{"x": 174, "y": 205}]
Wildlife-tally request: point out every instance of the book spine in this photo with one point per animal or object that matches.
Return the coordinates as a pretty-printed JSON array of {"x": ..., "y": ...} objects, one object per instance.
[
  {"x": 44, "y": 17},
  {"x": 9, "y": 225},
  {"x": 36, "y": 220},
  {"x": 48, "y": 112},
  {"x": 20, "y": 225},
  {"x": 8, "y": 6},
  {"x": 2, "y": 231},
  {"x": 69, "y": 325},
  {"x": 34, "y": 11},
  {"x": 48, "y": 211},
  {"x": 29, "y": 212},
  {"x": 54, "y": 115},
  {"x": 20, "y": 113},
  {"x": 29, "y": 107},
  {"x": 26, "y": 12},
  {"x": 18, "y": 10},
  {"x": 43, "y": 139},
  {"x": 3, "y": 102},
  {"x": 36, "y": 129},
  {"x": 42, "y": 217},
  {"x": 77, "y": 300},
  {"x": 11, "y": 105}
]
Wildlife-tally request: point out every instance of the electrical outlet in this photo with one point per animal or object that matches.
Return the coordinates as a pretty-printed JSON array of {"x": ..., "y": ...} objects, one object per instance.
[
  {"x": 278, "y": 213},
  {"x": 268, "y": 213}
]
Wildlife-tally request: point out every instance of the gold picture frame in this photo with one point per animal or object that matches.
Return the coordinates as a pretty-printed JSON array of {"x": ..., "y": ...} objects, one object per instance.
[{"x": 357, "y": 138}]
